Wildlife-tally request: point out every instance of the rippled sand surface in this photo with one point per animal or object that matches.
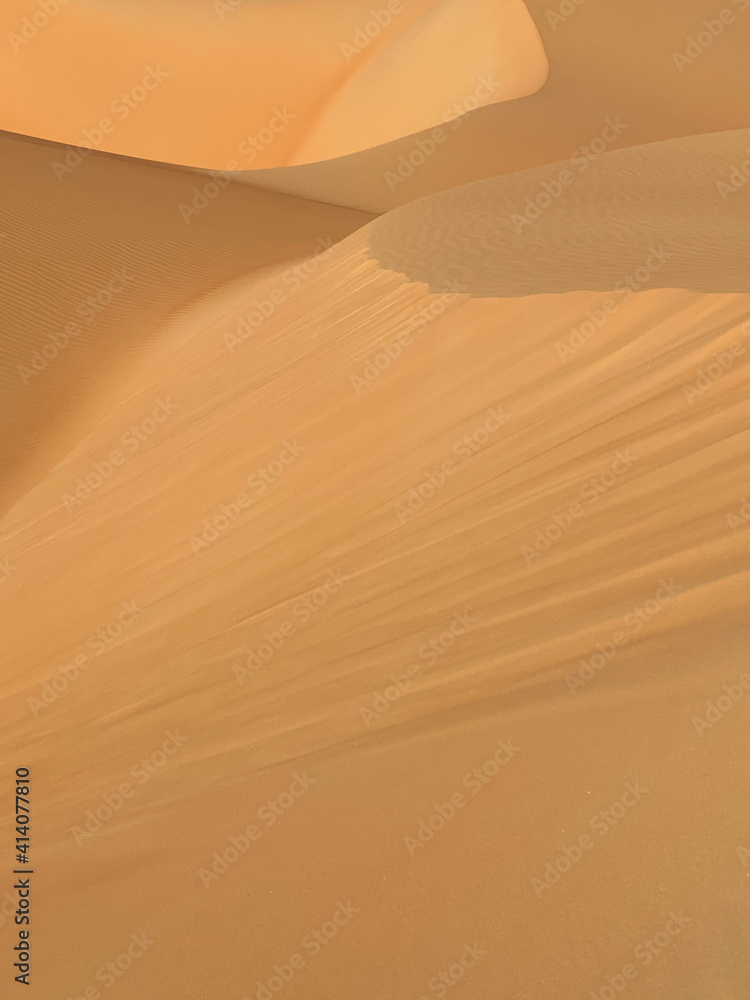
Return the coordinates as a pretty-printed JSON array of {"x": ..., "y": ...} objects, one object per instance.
[{"x": 374, "y": 573}]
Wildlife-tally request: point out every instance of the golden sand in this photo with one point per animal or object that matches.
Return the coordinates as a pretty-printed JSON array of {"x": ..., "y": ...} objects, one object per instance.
[{"x": 374, "y": 589}]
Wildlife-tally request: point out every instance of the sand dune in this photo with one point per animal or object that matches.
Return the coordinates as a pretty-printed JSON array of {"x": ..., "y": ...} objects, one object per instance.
[
  {"x": 281, "y": 99},
  {"x": 435, "y": 577},
  {"x": 98, "y": 254},
  {"x": 667, "y": 215},
  {"x": 211, "y": 82},
  {"x": 608, "y": 61}
]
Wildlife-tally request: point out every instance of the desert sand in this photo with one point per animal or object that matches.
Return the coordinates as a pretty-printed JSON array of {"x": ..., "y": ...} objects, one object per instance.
[
  {"x": 375, "y": 588},
  {"x": 198, "y": 83}
]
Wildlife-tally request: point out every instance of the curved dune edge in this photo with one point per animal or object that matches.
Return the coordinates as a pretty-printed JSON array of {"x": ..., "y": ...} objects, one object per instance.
[
  {"x": 566, "y": 115},
  {"x": 669, "y": 215},
  {"x": 95, "y": 264},
  {"x": 487, "y": 52},
  {"x": 603, "y": 450},
  {"x": 591, "y": 80},
  {"x": 255, "y": 84}
]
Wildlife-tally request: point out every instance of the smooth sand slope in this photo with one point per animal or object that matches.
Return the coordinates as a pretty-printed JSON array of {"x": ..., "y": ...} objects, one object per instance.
[
  {"x": 256, "y": 82},
  {"x": 96, "y": 257},
  {"x": 275, "y": 93},
  {"x": 608, "y": 62},
  {"x": 544, "y": 510}
]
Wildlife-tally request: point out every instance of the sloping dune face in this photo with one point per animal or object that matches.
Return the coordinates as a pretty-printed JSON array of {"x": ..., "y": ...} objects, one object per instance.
[
  {"x": 98, "y": 252},
  {"x": 239, "y": 84},
  {"x": 484, "y": 52},
  {"x": 383, "y": 631},
  {"x": 620, "y": 75},
  {"x": 553, "y": 229}
]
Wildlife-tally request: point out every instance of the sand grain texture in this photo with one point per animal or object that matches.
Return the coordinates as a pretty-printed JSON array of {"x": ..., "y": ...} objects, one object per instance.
[{"x": 393, "y": 495}]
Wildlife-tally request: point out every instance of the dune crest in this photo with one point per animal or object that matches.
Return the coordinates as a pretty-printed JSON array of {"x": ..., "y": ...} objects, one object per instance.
[
  {"x": 257, "y": 84},
  {"x": 419, "y": 539},
  {"x": 130, "y": 250},
  {"x": 375, "y": 531},
  {"x": 671, "y": 214},
  {"x": 458, "y": 56}
]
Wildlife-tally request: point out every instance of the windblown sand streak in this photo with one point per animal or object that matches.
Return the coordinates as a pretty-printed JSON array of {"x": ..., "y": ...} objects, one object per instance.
[
  {"x": 332, "y": 509},
  {"x": 374, "y": 589}
]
